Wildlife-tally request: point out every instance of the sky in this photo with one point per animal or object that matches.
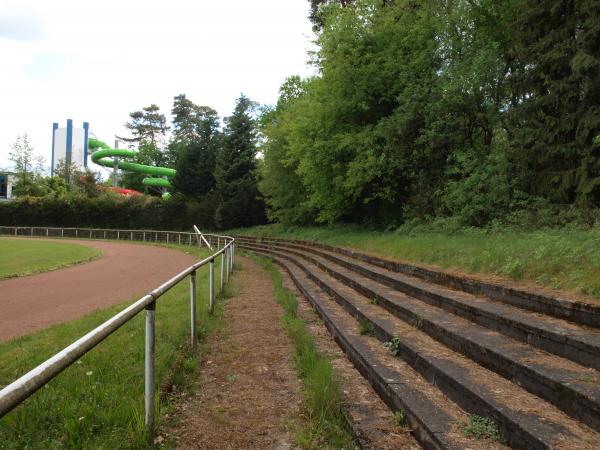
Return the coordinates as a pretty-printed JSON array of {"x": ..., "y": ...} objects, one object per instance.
[{"x": 98, "y": 61}]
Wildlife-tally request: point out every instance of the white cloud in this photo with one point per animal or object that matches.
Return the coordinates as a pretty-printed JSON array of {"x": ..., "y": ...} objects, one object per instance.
[{"x": 98, "y": 61}]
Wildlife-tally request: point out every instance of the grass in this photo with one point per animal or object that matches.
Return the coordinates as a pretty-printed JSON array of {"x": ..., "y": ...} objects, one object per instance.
[
  {"x": 99, "y": 401},
  {"x": 365, "y": 327},
  {"x": 324, "y": 426},
  {"x": 19, "y": 257},
  {"x": 566, "y": 259},
  {"x": 399, "y": 418},
  {"x": 479, "y": 427}
]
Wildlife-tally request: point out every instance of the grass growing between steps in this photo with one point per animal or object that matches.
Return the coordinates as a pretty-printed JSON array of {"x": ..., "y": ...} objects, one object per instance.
[
  {"x": 98, "y": 402},
  {"x": 324, "y": 426},
  {"x": 566, "y": 259}
]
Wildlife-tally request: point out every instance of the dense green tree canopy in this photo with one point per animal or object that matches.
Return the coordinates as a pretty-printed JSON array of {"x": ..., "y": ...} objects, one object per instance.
[{"x": 427, "y": 108}]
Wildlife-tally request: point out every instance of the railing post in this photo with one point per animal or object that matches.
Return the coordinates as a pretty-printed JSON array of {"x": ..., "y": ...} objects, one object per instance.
[
  {"x": 211, "y": 288},
  {"x": 227, "y": 264},
  {"x": 149, "y": 368},
  {"x": 47, "y": 232},
  {"x": 222, "y": 268},
  {"x": 118, "y": 235},
  {"x": 193, "y": 307},
  {"x": 144, "y": 239}
]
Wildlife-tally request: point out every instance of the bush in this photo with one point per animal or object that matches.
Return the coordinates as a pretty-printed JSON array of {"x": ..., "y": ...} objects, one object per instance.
[{"x": 109, "y": 211}]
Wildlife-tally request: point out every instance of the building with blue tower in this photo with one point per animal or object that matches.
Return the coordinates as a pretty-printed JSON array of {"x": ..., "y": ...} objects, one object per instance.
[{"x": 69, "y": 144}]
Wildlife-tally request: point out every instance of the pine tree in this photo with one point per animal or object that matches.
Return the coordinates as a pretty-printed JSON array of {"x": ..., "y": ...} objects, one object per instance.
[
  {"x": 193, "y": 146},
  {"x": 235, "y": 173},
  {"x": 555, "y": 86},
  {"x": 149, "y": 125}
]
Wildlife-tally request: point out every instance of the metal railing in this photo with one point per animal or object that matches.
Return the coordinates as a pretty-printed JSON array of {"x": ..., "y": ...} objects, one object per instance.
[
  {"x": 166, "y": 237},
  {"x": 19, "y": 390}
]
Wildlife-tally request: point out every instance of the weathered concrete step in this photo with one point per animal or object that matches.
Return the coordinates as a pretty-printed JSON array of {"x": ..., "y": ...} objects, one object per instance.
[
  {"x": 575, "y": 342},
  {"x": 574, "y": 310},
  {"x": 434, "y": 420},
  {"x": 525, "y": 419},
  {"x": 567, "y": 385}
]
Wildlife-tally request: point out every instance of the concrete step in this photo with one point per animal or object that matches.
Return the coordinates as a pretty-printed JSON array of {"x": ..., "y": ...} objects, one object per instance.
[
  {"x": 586, "y": 312},
  {"x": 569, "y": 386},
  {"x": 456, "y": 372},
  {"x": 435, "y": 420},
  {"x": 578, "y": 343},
  {"x": 474, "y": 388}
]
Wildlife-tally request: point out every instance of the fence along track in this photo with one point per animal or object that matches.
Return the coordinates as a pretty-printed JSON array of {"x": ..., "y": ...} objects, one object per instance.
[
  {"x": 535, "y": 375},
  {"x": 22, "y": 388}
]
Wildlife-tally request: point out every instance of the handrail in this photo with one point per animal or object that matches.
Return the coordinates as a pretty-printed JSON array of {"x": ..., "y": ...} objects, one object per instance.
[{"x": 22, "y": 388}]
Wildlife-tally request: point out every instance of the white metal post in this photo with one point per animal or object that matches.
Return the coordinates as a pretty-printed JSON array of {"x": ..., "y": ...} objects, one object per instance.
[
  {"x": 212, "y": 287},
  {"x": 149, "y": 367},
  {"x": 227, "y": 264},
  {"x": 222, "y": 268},
  {"x": 193, "y": 307}
]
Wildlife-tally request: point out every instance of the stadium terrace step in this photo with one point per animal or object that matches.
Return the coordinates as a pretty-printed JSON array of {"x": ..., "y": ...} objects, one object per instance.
[
  {"x": 578, "y": 343},
  {"x": 573, "y": 310},
  {"x": 524, "y": 420},
  {"x": 434, "y": 419},
  {"x": 567, "y": 385}
]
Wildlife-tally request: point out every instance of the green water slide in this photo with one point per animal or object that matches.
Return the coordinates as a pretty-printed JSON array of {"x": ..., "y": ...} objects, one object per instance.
[{"x": 104, "y": 155}]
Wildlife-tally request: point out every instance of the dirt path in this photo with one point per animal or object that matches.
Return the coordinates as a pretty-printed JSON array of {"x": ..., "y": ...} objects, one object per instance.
[
  {"x": 125, "y": 271},
  {"x": 249, "y": 388}
]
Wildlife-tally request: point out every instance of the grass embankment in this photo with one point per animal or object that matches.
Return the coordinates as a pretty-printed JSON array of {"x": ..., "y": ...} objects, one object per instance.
[
  {"x": 19, "y": 257},
  {"x": 324, "y": 425},
  {"x": 99, "y": 401},
  {"x": 566, "y": 259}
]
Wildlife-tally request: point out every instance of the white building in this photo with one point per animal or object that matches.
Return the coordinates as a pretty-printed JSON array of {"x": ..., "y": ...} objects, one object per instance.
[
  {"x": 7, "y": 180},
  {"x": 69, "y": 143}
]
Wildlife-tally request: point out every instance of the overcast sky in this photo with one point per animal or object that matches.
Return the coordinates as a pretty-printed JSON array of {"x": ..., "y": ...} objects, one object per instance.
[{"x": 98, "y": 61}]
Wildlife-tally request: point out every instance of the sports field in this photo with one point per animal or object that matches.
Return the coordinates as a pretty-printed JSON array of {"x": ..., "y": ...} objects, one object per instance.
[{"x": 20, "y": 257}]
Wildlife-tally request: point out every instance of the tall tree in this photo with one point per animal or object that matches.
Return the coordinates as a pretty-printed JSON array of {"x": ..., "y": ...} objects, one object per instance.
[
  {"x": 196, "y": 153},
  {"x": 28, "y": 167},
  {"x": 554, "y": 116},
  {"x": 149, "y": 125},
  {"x": 316, "y": 13},
  {"x": 235, "y": 172}
]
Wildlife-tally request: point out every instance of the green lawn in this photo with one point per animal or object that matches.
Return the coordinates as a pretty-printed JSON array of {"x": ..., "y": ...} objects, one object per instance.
[
  {"x": 20, "y": 257},
  {"x": 99, "y": 401},
  {"x": 566, "y": 259}
]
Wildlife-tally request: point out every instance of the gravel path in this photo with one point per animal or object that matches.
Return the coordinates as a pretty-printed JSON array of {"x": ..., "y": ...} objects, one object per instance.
[
  {"x": 249, "y": 390},
  {"x": 125, "y": 271}
]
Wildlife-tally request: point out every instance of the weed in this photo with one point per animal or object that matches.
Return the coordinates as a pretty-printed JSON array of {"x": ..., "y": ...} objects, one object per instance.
[
  {"x": 479, "y": 427},
  {"x": 418, "y": 322},
  {"x": 365, "y": 327},
  {"x": 373, "y": 301},
  {"x": 394, "y": 345},
  {"x": 399, "y": 418}
]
